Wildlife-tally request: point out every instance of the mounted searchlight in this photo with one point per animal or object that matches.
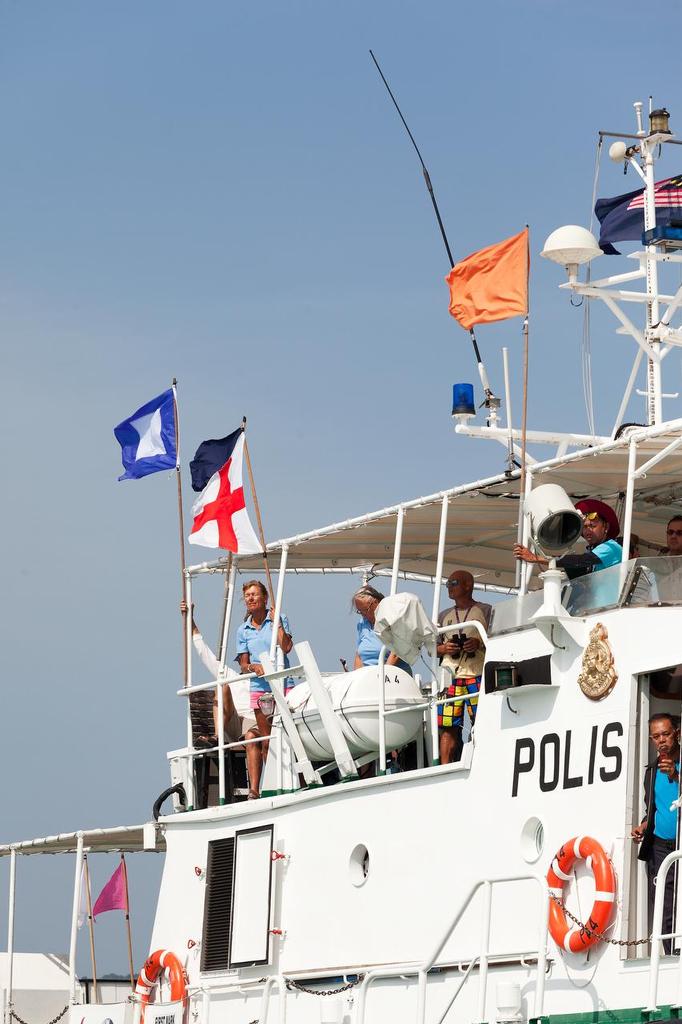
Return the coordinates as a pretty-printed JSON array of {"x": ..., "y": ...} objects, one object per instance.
[
  {"x": 463, "y": 402},
  {"x": 555, "y": 524}
]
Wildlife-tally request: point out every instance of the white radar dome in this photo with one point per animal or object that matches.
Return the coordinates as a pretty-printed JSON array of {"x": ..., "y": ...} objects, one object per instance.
[
  {"x": 617, "y": 152},
  {"x": 571, "y": 245}
]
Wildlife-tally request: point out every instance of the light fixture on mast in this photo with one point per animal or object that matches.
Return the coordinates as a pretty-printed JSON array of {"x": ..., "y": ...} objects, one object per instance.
[
  {"x": 570, "y": 246},
  {"x": 659, "y": 122}
]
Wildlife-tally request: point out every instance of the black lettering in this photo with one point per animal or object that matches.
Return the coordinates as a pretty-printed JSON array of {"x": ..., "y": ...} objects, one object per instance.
[
  {"x": 553, "y": 739},
  {"x": 577, "y": 780},
  {"x": 593, "y": 754},
  {"x": 613, "y": 751},
  {"x": 522, "y": 766}
]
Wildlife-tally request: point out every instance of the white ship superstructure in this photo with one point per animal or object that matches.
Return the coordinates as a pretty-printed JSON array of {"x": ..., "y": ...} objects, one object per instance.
[{"x": 422, "y": 895}]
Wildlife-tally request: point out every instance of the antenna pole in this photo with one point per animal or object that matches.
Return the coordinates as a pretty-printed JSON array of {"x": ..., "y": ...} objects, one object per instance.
[
  {"x": 654, "y": 401},
  {"x": 485, "y": 383}
]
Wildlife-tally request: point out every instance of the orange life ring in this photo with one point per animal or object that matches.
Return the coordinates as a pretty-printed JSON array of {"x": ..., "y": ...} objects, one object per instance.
[
  {"x": 566, "y": 935},
  {"x": 154, "y": 965}
]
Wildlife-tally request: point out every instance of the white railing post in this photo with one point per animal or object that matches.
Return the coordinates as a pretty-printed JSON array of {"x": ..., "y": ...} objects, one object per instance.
[
  {"x": 396, "y": 549},
  {"x": 75, "y": 908},
  {"x": 542, "y": 953},
  {"x": 9, "y": 999},
  {"x": 629, "y": 501},
  {"x": 657, "y": 927},
  {"x": 435, "y": 664},
  {"x": 278, "y": 600},
  {"x": 188, "y": 682},
  {"x": 228, "y": 613},
  {"x": 421, "y": 997},
  {"x": 221, "y": 741},
  {"x": 485, "y": 951},
  {"x": 524, "y": 530},
  {"x": 382, "y": 711}
]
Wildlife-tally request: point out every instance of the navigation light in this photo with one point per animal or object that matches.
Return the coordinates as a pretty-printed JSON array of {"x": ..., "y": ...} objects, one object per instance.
[{"x": 658, "y": 122}]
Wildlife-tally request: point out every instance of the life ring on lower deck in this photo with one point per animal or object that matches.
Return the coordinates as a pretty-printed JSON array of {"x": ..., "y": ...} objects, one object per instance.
[
  {"x": 154, "y": 965},
  {"x": 569, "y": 936}
]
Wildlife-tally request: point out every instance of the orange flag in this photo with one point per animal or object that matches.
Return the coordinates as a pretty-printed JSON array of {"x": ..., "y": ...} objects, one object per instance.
[{"x": 491, "y": 284}]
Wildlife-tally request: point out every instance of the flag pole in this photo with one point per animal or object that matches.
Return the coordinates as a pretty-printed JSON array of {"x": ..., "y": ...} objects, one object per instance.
[
  {"x": 181, "y": 520},
  {"x": 130, "y": 938},
  {"x": 520, "y": 570},
  {"x": 258, "y": 518},
  {"x": 91, "y": 928}
]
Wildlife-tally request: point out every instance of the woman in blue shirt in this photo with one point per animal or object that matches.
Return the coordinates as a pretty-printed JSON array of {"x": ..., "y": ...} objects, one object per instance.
[{"x": 366, "y": 601}]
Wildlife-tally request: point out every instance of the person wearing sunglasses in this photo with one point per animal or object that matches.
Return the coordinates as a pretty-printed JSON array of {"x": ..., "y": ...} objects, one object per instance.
[
  {"x": 462, "y": 654},
  {"x": 600, "y": 530},
  {"x": 673, "y": 535}
]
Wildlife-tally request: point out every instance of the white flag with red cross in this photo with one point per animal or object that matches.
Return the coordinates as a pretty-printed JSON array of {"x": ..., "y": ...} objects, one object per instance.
[{"x": 220, "y": 516}]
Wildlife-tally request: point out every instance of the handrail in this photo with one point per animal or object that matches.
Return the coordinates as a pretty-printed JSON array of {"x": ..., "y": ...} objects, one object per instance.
[
  {"x": 421, "y": 970},
  {"x": 221, "y": 747},
  {"x": 657, "y": 935}
]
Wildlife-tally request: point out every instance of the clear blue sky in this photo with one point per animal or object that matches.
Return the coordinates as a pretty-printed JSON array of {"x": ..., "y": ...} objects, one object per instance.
[{"x": 221, "y": 192}]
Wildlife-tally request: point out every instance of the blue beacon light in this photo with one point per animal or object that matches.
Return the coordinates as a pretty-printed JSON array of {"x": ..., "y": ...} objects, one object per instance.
[{"x": 463, "y": 400}]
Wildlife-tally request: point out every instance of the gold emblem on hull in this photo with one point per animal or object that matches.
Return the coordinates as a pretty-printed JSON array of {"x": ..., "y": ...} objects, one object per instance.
[{"x": 598, "y": 675}]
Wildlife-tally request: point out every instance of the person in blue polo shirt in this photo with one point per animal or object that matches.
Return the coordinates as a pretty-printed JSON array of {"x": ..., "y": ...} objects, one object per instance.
[
  {"x": 254, "y": 638},
  {"x": 657, "y": 833}
]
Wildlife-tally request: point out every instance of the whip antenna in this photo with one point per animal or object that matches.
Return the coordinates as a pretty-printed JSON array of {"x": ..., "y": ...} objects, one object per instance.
[
  {"x": 491, "y": 402},
  {"x": 425, "y": 172}
]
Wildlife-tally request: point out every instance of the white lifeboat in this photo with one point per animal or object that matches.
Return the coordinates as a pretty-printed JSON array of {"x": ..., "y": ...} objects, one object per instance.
[{"x": 355, "y": 699}]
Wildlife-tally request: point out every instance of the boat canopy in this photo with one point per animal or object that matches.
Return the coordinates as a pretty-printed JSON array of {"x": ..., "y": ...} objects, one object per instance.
[
  {"x": 482, "y": 516},
  {"x": 147, "y": 838}
]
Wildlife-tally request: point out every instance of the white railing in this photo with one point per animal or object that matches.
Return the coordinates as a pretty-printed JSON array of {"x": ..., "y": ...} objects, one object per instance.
[
  {"x": 421, "y": 970},
  {"x": 658, "y": 935},
  {"x": 192, "y": 752},
  {"x": 428, "y": 707}
]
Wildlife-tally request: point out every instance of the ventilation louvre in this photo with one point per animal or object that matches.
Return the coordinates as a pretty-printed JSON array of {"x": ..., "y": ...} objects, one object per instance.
[{"x": 215, "y": 939}]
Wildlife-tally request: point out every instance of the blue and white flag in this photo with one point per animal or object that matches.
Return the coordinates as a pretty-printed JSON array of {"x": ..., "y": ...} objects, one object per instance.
[{"x": 147, "y": 438}]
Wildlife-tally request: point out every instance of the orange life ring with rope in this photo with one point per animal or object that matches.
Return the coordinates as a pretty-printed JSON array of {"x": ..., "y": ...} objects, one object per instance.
[
  {"x": 154, "y": 965},
  {"x": 566, "y": 935}
]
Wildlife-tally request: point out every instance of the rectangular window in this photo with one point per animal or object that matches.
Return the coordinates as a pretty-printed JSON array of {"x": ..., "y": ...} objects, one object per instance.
[{"x": 250, "y": 934}]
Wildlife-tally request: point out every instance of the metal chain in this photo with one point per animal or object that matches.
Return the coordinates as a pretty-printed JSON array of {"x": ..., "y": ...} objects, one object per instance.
[
  {"x": 324, "y": 992},
  {"x": 54, "y": 1020},
  {"x": 597, "y": 935}
]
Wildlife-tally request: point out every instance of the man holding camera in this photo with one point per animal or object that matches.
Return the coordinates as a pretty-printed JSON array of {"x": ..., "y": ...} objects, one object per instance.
[{"x": 461, "y": 653}]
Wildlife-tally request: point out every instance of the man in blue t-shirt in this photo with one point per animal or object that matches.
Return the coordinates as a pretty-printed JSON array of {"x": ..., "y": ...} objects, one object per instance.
[{"x": 657, "y": 833}]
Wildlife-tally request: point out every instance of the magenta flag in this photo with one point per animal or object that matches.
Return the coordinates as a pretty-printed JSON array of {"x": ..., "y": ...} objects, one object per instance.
[{"x": 113, "y": 895}]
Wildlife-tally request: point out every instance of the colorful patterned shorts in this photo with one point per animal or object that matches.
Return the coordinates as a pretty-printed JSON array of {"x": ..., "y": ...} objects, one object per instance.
[{"x": 451, "y": 716}]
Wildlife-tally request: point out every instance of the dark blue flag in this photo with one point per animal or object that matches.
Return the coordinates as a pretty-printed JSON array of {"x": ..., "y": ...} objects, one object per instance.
[
  {"x": 210, "y": 457},
  {"x": 622, "y": 217}
]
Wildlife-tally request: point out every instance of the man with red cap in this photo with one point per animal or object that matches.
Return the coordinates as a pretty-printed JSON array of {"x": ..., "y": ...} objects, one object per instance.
[{"x": 600, "y": 529}]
